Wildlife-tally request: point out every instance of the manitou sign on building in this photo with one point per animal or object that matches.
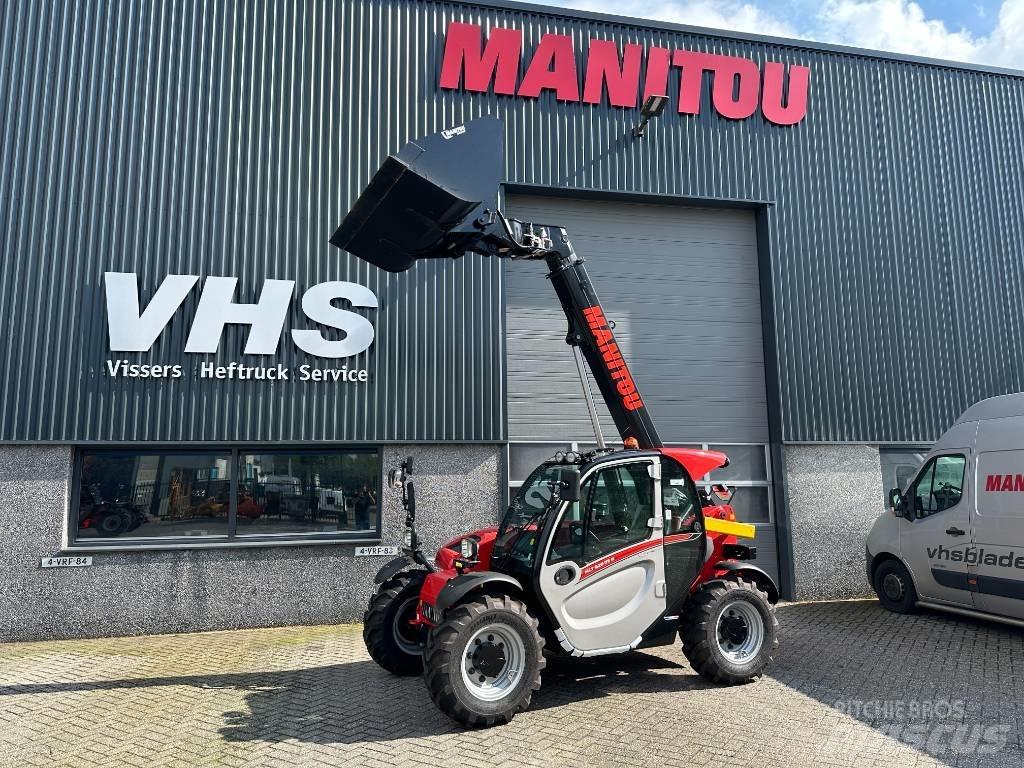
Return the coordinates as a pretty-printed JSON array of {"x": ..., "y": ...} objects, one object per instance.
[{"x": 739, "y": 88}]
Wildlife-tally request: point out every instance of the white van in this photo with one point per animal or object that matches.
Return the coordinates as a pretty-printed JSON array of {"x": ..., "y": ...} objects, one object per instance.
[{"x": 954, "y": 537}]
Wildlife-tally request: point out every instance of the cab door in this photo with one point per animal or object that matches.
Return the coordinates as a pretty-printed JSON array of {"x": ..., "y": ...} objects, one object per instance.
[
  {"x": 936, "y": 542},
  {"x": 997, "y": 567},
  {"x": 603, "y": 570}
]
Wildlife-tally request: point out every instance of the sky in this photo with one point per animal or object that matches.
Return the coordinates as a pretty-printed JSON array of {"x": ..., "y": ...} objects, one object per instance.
[{"x": 979, "y": 31}]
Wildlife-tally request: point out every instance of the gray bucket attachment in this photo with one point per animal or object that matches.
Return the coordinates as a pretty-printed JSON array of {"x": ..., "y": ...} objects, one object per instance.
[{"x": 422, "y": 202}]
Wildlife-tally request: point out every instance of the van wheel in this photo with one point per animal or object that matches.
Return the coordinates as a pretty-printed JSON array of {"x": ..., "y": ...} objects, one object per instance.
[{"x": 894, "y": 587}]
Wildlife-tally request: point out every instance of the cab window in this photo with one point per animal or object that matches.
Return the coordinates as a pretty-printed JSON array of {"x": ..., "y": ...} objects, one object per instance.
[
  {"x": 567, "y": 539},
  {"x": 619, "y": 505},
  {"x": 679, "y": 501},
  {"x": 940, "y": 485},
  {"x": 614, "y": 509}
]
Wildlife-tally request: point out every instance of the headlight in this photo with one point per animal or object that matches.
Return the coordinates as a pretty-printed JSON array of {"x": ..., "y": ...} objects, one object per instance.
[
  {"x": 468, "y": 549},
  {"x": 409, "y": 539}
]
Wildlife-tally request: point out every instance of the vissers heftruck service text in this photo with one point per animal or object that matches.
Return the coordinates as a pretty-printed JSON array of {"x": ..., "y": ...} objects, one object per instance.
[{"x": 133, "y": 329}]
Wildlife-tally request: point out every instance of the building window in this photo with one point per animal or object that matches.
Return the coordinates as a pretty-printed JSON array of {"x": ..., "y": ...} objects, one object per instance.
[
  {"x": 307, "y": 493},
  {"x": 749, "y": 477},
  {"x": 149, "y": 498},
  {"x": 153, "y": 495}
]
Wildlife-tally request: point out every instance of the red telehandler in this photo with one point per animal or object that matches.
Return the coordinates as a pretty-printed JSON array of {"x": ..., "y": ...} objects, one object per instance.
[{"x": 600, "y": 552}]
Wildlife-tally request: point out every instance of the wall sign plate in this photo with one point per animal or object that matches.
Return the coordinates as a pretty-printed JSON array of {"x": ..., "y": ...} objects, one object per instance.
[
  {"x": 75, "y": 561},
  {"x": 378, "y": 551}
]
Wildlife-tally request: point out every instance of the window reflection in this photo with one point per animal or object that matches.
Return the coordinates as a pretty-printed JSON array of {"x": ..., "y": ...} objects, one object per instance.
[
  {"x": 153, "y": 495},
  {"x": 125, "y": 495},
  {"x": 302, "y": 492}
]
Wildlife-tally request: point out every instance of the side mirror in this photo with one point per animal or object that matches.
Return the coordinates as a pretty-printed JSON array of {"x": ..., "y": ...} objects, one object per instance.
[
  {"x": 898, "y": 504},
  {"x": 570, "y": 485}
]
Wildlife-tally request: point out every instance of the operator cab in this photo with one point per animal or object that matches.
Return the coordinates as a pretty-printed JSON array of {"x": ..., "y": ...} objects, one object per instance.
[{"x": 628, "y": 547}]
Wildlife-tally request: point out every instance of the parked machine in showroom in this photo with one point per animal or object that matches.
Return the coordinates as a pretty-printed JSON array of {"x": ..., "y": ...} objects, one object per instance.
[{"x": 599, "y": 553}]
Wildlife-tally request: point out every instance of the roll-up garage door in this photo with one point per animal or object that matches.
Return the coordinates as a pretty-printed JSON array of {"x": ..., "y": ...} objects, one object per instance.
[{"x": 681, "y": 284}]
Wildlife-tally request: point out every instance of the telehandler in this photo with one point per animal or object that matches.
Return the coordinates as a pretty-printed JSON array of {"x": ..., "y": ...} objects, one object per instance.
[{"x": 601, "y": 552}]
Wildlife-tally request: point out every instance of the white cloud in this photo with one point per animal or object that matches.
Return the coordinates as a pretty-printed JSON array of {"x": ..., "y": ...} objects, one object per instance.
[
  {"x": 892, "y": 25},
  {"x": 888, "y": 25},
  {"x": 1005, "y": 46}
]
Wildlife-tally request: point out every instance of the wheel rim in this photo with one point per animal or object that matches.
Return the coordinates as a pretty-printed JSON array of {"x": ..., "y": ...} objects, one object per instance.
[
  {"x": 740, "y": 631},
  {"x": 892, "y": 586},
  {"x": 407, "y": 637},
  {"x": 494, "y": 662}
]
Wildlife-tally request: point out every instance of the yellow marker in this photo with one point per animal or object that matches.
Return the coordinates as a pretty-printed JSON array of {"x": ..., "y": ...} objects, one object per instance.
[{"x": 728, "y": 527}]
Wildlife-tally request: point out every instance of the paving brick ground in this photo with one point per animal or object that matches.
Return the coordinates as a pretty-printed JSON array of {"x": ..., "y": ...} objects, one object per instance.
[{"x": 852, "y": 686}]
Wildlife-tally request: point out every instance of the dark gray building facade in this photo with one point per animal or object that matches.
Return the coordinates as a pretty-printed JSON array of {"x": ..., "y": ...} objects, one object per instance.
[{"x": 812, "y": 258}]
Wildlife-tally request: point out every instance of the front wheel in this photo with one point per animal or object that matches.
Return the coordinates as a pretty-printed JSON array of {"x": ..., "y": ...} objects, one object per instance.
[
  {"x": 483, "y": 662},
  {"x": 390, "y": 639},
  {"x": 894, "y": 587},
  {"x": 729, "y": 631}
]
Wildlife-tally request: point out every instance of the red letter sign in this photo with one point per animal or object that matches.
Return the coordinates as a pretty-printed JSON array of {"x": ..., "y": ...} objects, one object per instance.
[
  {"x": 499, "y": 62},
  {"x": 693, "y": 65},
  {"x": 727, "y": 70},
  {"x": 553, "y": 68},
  {"x": 738, "y": 85},
  {"x": 771, "y": 100},
  {"x": 656, "y": 79},
  {"x": 603, "y": 67}
]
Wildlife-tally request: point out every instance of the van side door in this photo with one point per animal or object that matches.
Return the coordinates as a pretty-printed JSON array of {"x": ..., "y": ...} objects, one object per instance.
[
  {"x": 997, "y": 567},
  {"x": 935, "y": 543}
]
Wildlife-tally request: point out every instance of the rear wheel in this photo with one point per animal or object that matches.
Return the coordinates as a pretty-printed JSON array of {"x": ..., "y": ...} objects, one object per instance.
[
  {"x": 483, "y": 662},
  {"x": 894, "y": 587},
  {"x": 391, "y": 640},
  {"x": 729, "y": 631}
]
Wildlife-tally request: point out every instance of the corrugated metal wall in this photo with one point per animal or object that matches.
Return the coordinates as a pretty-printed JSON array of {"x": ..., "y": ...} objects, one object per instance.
[
  {"x": 221, "y": 139},
  {"x": 229, "y": 139}
]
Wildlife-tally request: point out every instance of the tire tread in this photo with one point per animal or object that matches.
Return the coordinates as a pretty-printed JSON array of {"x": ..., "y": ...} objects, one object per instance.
[
  {"x": 439, "y": 653},
  {"x": 377, "y": 628},
  {"x": 695, "y": 631}
]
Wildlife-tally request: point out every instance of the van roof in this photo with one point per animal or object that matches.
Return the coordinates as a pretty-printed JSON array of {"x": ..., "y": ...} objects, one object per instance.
[{"x": 1001, "y": 407}]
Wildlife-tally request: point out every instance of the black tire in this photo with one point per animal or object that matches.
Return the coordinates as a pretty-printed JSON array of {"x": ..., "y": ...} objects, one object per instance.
[
  {"x": 722, "y": 638},
  {"x": 113, "y": 523},
  {"x": 894, "y": 587},
  {"x": 137, "y": 518},
  {"x": 447, "y": 650},
  {"x": 391, "y": 642}
]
